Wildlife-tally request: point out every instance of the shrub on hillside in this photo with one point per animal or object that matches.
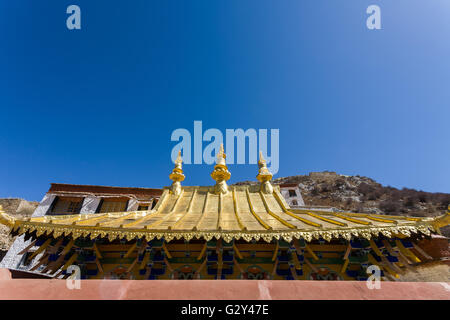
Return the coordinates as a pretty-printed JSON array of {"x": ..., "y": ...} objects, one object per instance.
[
  {"x": 338, "y": 184},
  {"x": 389, "y": 206},
  {"x": 324, "y": 187},
  {"x": 374, "y": 195},
  {"x": 365, "y": 189},
  {"x": 410, "y": 202},
  {"x": 422, "y": 196}
]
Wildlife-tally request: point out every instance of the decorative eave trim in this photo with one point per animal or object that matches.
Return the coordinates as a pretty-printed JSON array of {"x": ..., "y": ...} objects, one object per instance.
[{"x": 268, "y": 235}]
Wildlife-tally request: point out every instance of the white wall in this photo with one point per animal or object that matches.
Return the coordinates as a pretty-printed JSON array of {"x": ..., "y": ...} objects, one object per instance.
[
  {"x": 289, "y": 199},
  {"x": 132, "y": 205},
  {"x": 90, "y": 204},
  {"x": 12, "y": 258},
  {"x": 44, "y": 206}
]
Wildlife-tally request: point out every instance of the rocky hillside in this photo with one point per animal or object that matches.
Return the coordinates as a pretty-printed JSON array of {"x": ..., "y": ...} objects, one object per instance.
[
  {"x": 18, "y": 208},
  {"x": 362, "y": 194},
  {"x": 365, "y": 195}
]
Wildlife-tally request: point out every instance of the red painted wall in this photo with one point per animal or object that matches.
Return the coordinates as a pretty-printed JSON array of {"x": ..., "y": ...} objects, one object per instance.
[{"x": 216, "y": 289}]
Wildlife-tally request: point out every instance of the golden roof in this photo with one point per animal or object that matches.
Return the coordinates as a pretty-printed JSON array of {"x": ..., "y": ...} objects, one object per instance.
[
  {"x": 227, "y": 212},
  {"x": 243, "y": 212}
]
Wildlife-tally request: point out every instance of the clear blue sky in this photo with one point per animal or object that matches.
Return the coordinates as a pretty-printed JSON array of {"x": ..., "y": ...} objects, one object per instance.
[{"x": 98, "y": 105}]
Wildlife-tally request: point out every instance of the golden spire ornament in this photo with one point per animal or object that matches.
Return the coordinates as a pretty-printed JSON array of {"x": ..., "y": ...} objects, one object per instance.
[
  {"x": 221, "y": 173},
  {"x": 264, "y": 176},
  {"x": 177, "y": 175}
]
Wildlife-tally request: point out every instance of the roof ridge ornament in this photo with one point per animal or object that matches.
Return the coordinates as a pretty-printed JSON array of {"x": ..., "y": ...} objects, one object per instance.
[
  {"x": 443, "y": 220},
  {"x": 177, "y": 175},
  {"x": 264, "y": 176},
  {"x": 6, "y": 219},
  {"x": 221, "y": 173}
]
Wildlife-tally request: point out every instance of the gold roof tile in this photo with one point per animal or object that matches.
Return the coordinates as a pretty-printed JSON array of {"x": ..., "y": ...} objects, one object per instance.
[{"x": 242, "y": 212}]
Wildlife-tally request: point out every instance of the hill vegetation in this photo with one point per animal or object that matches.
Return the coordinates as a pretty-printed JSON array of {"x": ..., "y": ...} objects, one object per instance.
[{"x": 362, "y": 194}]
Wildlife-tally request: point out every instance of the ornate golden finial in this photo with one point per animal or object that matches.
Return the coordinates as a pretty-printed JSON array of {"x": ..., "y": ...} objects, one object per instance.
[
  {"x": 264, "y": 176},
  {"x": 177, "y": 175},
  {"x": 221, "y": 173}
]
